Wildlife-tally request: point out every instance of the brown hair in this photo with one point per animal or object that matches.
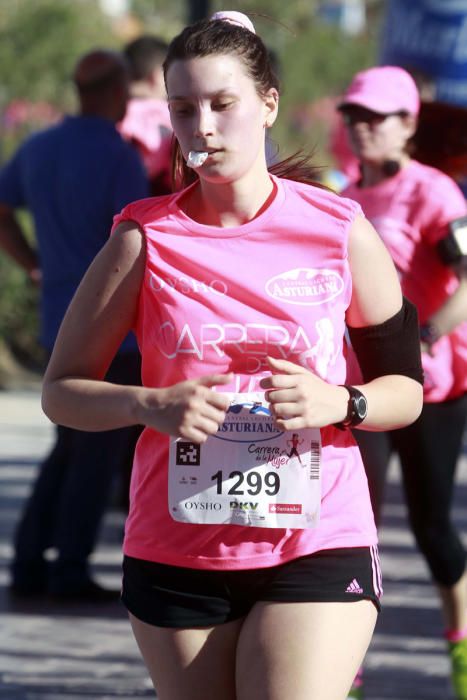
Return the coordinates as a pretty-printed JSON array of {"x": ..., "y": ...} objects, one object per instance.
[
  {"x": 144, "y": 55},
  {"x": 211, "y": 37}
]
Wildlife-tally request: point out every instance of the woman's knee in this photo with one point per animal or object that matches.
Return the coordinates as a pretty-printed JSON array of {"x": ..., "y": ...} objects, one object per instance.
[{"x": 444, "y": 553}]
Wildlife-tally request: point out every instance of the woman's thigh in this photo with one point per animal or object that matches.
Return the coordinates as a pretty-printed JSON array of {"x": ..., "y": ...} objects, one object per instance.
[
  {"x": 189, "y": 664},
  {"x": 302, "y": 651}
]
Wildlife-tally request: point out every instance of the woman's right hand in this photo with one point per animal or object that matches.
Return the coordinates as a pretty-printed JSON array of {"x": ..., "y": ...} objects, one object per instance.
[{"x": 189, "y": 409}]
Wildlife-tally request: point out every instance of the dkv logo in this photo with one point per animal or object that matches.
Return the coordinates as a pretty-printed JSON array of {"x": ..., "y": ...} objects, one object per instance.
[{"x": 305, "y": 286}]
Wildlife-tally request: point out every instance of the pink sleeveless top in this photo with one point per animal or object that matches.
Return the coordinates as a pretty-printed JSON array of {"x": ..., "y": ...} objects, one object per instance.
[
  {"x": 217, "y": 300},
  {"x": 410, "y": 211}
]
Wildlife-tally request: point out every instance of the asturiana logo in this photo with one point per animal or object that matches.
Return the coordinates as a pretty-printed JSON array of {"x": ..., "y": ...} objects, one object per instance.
[
  {"x": 305, "y": 286},
  {"x": 247, "y": 431}
]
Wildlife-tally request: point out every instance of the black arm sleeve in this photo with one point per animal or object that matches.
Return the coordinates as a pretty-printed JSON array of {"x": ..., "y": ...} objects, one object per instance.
[{"x": 392, "y": 347}]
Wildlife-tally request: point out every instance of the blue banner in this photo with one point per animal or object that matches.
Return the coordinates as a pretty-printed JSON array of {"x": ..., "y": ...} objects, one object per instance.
[{"x": 429, "y": 37}]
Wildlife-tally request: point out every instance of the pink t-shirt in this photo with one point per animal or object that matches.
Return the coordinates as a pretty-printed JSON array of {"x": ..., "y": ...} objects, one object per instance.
[
  {"x": 147, "y": 125},
  {"x": 410, "y": 211},
  {"x": 218, "y": 300}
]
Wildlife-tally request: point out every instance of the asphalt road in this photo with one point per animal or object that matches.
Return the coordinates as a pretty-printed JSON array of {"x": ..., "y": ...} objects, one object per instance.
[{"x": 87, "y": 652}]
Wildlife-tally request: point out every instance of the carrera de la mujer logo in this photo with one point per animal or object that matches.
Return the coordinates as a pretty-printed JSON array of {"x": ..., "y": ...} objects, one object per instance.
[{"x": 305, "y": 286}]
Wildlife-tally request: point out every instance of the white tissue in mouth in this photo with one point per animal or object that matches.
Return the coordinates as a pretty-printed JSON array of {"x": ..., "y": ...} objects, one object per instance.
[{"x": 196, "y": 158}]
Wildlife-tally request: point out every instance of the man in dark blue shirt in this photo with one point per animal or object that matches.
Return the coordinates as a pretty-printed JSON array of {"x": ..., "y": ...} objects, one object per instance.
[{"x": 72, "y": 177}]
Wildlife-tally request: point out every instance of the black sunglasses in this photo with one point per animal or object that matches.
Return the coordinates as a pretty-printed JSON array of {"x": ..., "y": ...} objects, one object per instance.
[{"x": 354, "y": 115}]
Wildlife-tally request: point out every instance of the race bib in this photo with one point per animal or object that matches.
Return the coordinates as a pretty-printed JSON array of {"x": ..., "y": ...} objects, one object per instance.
[{"x": 248, "y": 473}]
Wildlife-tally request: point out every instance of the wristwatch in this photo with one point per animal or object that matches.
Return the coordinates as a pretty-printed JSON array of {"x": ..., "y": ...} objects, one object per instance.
[{"x": 357, "y": 408}]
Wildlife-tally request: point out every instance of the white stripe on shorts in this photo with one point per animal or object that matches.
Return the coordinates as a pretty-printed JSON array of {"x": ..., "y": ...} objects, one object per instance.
[{"x": 376, "y": 568}]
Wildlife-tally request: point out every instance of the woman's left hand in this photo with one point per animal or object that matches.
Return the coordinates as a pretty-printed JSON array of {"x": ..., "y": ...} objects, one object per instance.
[{"x": 300, "y": 399}]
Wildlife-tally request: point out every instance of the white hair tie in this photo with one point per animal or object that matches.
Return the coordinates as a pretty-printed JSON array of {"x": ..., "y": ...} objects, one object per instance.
[{"x": 237, "y": 18}]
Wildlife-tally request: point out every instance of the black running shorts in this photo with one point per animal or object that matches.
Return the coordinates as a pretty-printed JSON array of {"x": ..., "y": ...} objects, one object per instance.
[{"x": 171, "y": 596}]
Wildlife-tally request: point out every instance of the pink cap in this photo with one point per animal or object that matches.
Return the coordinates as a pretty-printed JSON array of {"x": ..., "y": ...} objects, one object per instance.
[
  {"x": 384, "y": 89},
  {"x": 235, "y": 18}
]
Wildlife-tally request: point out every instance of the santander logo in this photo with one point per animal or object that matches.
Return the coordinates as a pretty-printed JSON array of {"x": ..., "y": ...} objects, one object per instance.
[{"x": 305, "y": 286}]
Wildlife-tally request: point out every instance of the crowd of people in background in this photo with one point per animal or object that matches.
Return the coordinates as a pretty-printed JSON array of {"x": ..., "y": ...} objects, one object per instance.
[{"x": 132, "y": 277}]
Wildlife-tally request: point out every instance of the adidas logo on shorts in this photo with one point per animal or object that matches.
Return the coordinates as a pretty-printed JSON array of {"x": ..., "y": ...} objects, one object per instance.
[{"x": 354, "y": 587}]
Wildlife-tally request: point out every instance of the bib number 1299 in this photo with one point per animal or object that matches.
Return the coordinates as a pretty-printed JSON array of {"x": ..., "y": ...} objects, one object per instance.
[{"x": 252, "y": 483}]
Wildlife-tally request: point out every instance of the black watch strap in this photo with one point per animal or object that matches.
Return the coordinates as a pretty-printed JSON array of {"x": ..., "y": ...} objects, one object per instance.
[{"x": 357, "y": 408}]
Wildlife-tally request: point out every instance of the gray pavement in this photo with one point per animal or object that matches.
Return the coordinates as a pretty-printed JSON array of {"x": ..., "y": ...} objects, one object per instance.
[{"x": 87, "y": 652}]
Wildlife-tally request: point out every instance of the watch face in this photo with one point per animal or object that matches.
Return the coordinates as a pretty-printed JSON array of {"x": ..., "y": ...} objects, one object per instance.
[{"x": 360, "y": 406}]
